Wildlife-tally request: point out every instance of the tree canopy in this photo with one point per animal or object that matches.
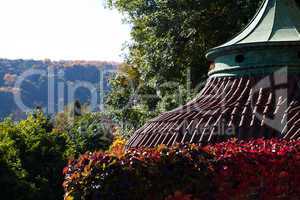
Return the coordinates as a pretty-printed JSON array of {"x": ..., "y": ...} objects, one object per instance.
[{"x": 166, "y": 60}]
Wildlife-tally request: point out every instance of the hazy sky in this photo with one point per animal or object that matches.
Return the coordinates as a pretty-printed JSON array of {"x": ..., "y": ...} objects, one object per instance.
[{"x": 60, "y": 29}]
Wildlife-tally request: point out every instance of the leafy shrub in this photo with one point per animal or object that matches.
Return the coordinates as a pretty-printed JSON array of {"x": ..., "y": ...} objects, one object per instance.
[
  {"x": 139, "y": 174},
  {"x": 89, "y": 132},
  {"x": 33, "y": 153},
  {"x": 258, "y": 169},
  {"x": 13, "y": 181},
  {"x": 42, "y": 153},
  {"x": 33, "y": 156}
]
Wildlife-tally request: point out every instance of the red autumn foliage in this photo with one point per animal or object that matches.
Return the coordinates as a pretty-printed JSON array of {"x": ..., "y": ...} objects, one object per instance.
[
  {"x": 180, "y": 196},
  {"x": 256, "y": 169},
  {"x": 261, "y": 169}
]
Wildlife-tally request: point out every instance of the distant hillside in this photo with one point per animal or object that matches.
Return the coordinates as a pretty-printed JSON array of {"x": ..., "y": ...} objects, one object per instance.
[{"x": 51, "y": 85}]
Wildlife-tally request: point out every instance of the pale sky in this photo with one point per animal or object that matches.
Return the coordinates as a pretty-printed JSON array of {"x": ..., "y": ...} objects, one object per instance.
[{"x": 60, "y": 30}]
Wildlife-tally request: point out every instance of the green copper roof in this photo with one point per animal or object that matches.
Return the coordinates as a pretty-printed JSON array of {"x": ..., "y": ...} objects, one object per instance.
[{"x": 277, "y": 22}]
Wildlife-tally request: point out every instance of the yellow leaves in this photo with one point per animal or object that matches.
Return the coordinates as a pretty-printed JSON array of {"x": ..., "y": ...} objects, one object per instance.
[
  {"x": 68, "y": 196},
  {"x": 130, "y": 72},
  {"x": 86, "y": 170},
  {"x": 117, "y": 148},
  {"x": 161, "y": 147}
]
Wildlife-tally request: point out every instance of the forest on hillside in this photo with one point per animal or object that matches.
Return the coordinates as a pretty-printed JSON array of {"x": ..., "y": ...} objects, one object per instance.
[{"x": 50, "y": 84}]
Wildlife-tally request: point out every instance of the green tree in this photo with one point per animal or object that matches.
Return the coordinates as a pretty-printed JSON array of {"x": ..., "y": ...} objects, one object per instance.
[
  {"x": 166, "y": 57},
  {"x": 35, "y": 156},
  {"x": 13, "y": 182},
  {"x": 87, "y": 132},
  {"x": 33, "y": 152}
]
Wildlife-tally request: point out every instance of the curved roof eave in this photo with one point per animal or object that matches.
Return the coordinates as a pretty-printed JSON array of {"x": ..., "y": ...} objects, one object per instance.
[{"x": 276, "y": 22}]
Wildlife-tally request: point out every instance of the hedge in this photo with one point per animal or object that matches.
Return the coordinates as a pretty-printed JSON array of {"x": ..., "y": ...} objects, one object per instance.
[{"x": 257, "y": 169}]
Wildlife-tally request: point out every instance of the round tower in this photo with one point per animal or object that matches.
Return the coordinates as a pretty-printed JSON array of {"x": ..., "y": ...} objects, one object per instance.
[
  {"x": 270, "y": 41},
  {"x": 253, "y": 89}
]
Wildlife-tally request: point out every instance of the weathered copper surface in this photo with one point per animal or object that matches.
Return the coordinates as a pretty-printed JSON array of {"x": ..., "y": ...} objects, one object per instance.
[{"x": 276, "y": 22}]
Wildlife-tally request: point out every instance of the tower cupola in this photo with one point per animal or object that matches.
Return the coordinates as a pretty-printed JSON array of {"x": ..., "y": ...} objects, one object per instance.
[
  {"x": 252, "y": 90},
  {"x": 271, "y": 40}
]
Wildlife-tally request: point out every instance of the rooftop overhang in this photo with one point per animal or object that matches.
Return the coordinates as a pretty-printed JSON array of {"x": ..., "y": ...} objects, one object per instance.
[
  {"x": 275, "y": 26},
  {"x": 213, "y": 53}
]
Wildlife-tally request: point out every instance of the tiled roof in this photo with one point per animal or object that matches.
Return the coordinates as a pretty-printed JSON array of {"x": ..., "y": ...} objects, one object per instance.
[{"x": 243, "y": 107}]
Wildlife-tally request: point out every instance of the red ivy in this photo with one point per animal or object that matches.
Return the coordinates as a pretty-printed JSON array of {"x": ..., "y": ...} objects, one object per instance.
[
  {"x": 263, "y": 169},
  {"x": 256, "y": 169}
]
